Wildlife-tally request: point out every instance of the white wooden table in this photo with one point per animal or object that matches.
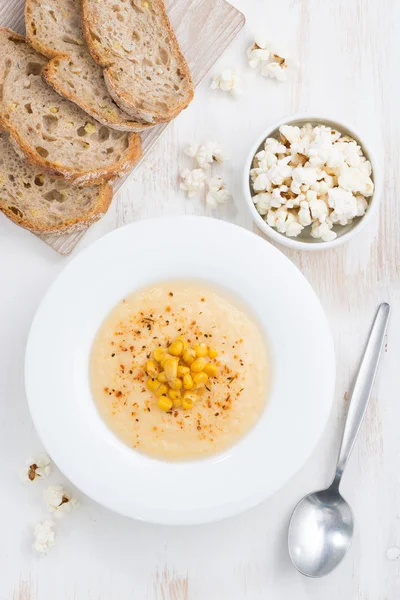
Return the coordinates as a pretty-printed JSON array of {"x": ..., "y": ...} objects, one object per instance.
[{"x": 348, "y": 61}]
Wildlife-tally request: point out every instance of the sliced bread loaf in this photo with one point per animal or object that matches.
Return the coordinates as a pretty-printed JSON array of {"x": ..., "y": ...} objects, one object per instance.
[
  {"x": 145, "y": 71},
  {"x": 36, "y": 201},
  {"x": 54, "y": 28},
  {"x": 51, "y": 131}
]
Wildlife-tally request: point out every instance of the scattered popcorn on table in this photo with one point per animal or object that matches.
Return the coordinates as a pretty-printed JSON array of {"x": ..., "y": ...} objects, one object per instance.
[
  {"x": 227, "y": 81},
  {"x": 205, "y": 154},
  {"x": 267, "y": 60},
  {"x": 44, "y": 536},
  {"x": 276, "y": 69},
  {"x": 258, "y": 53},
  {"x": 311, "y": 176},
  {"x": 59, "y": 501},
  {"x": 393, "y": 553},
  {"x": 36, "y": 468},
  {"x": 217, "y": 193},
  {"x": 192, "y": 181}
]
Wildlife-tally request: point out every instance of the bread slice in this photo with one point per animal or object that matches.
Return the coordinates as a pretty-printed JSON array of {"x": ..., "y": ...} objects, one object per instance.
[
  {"x": 51, "y": 131},
  {"x": 145, "y": 71},
  {"x": 54, "y": 28},
  {"x": 42, "y": 204}
]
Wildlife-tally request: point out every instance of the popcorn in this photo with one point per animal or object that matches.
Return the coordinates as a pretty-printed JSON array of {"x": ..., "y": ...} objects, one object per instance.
[
  {"x": 227, "y": 81},
  {"x": 192, "y": 181},
  {"x": 274, "y": 146},
  {"x": 36, "y": 468},
  {"x": 311, "y": 176},
  {"x": 44, "y": 536},
  {"x": 323, "y": 231},
  {"x": 59, "y": 501},
  {"x": 268, "y": 62},
  {"x": 258, "y": 53},
  {"x": 275, "y": 70},
  {"x": 262, "y": 183},
  {"x": 217, "y": 194},
  {"x": 208, "y": 153}
]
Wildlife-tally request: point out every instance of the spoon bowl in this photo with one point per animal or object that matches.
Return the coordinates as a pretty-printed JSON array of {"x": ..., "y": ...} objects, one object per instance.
[{"x": 320, "y": 532}]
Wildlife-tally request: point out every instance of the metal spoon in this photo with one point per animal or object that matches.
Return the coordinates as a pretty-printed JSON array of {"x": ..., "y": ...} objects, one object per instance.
[{"x": 321, "y": 527}]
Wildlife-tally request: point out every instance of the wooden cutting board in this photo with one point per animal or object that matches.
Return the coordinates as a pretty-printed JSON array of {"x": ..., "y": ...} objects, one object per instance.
[{"x": 204, "y": 28}]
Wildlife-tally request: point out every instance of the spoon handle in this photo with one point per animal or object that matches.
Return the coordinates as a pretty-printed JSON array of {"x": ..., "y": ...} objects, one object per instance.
[{"x": 363, "y": 387}]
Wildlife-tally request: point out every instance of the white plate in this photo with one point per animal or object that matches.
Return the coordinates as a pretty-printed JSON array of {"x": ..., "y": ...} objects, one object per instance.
[{"x": 58, "y": 388}]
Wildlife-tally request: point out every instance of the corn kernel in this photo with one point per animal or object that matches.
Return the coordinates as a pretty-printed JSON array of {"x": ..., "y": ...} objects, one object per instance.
[
  {"x": 211, "y": 370},
  {"x": 212, "y": 352},
  {"x": 175, "y": 384},
  {"x": 151, "y": 369},
  {"x": 153, "y": 385},
  {"x": 90, "y": 128},
  {"x": 54, "y": 110},
  {"x": 184, "y": 342},
  {"x": 176, "y": 348},
  {"x": 198, "y": 365},
  {"x": 183, "y": 371},
  {"x": 201, "y": 349},
  {"x": 187, "y": 381},
  {"x": 165, "y": 358},
  {"x": 162, "y": 390},
  {"x": 175, "y": 397},
  {"x": 171, "y": 368},
  {"x": 162, "y": 378},
  {"x": 189, "y": 400},
  {"x": 164, "y": 403},
  {"x": 159, "y": 353},
  {"x": 200, "y": 379},
  {"x": 189, "y": 357}
]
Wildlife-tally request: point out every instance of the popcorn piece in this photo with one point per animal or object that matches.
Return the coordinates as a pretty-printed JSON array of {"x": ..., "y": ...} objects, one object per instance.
[
  {"x": 258, "y": 53},
  {"x": 308, "y": 175},
  {"x": 192, "y": 181},
  {"x": 323, "y": 231},
  {"x": 291, "y": 133},
  {"x": 36, "y": 468},
  {"x": 294, "y": 229},
  {"x": 262, "y": 183},
  {"x": 208, "y": 153},
  {"x": 44, "y": 536},
  {"x": 319, "y": 210},
  {"x": 355, "y": 180},
  {"x": 217, "y": 193},
  {"x": 227, "y": 81},
  {"x": 191, "y": 150},
  {"x": 275, "y": 70},
  {"x": 274, "y": 146},
  {"x": 281, "y": 171},
  {"x": 59, "y": 501}
]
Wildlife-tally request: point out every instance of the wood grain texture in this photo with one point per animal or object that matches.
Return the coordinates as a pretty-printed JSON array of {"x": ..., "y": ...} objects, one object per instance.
[
  {"x": 204, "y": 30},
  {"x": 347, "y": 55}
]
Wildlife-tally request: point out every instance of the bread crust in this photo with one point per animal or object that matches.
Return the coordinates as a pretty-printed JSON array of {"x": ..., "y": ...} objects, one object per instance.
[
  {"x": 49, "y": 75},
  {"x": 71, "y": 225},
  {"x": 120, "y": 96},
  {"x": 58, "y": 170}
]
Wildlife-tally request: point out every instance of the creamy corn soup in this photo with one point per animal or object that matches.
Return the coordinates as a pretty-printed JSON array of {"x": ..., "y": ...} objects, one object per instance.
[{"x": 225, "y": 406}]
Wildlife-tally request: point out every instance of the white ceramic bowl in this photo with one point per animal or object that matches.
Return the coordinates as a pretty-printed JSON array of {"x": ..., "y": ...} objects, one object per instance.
[
  {"x": 59, "y": 395},
  {"x": 304, "y": 241}
]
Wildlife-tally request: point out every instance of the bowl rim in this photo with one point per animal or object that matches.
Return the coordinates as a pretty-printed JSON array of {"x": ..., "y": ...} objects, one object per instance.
[
  {"x": 293, "y": 242},
  {"x": 54, "y": 423}
]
